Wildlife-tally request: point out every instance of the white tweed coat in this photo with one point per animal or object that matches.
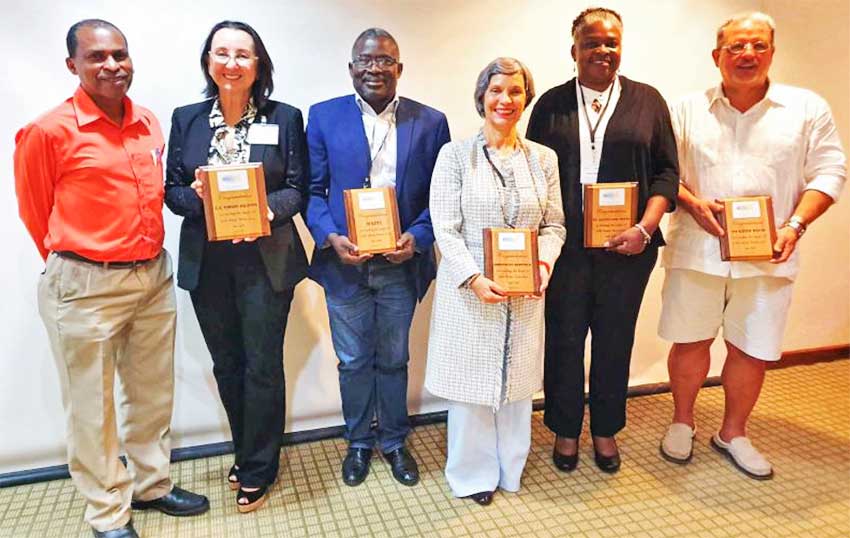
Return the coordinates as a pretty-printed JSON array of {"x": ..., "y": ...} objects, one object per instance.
[{"x": 468, "y": 338}]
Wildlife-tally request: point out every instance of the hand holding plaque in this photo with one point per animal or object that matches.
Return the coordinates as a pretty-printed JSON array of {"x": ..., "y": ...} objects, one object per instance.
[
  {"x": 609, "y": 208},
  {"x": 372, "y": 216},
  {"x": 511, "y": 261},
  {"x": 749, "y": 226},
  {"x": 235, "y": 204}
]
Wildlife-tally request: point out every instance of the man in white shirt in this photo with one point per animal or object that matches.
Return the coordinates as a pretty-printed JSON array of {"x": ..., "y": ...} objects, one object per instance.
[{"x": 748, "y": 136}]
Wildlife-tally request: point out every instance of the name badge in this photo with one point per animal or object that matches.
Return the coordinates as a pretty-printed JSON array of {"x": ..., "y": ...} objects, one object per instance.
[{"x": 263, "y": 133}]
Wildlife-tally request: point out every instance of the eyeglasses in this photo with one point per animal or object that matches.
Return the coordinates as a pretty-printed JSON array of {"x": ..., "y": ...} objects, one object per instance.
[
  {"x": 242, "y": 58},
  {"x": 759, "y": 47},
  {"x": 364, "y": 62}
]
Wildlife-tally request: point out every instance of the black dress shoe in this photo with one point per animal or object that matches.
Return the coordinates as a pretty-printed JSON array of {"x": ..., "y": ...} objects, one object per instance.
[
  {"x": 178, "y": 502},
  {"x": 482, "y": 497},
  {"x": 607, "y": 464},
  {"x": 404, "y": 467},
  {"x": 564, "y": 462},
  {"x": 355, "y": 466},
  {"x": 127, "y": 531}
]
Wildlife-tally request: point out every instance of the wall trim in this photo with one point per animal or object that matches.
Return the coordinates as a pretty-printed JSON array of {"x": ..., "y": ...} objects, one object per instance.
[{"x": 798, "y": 357}]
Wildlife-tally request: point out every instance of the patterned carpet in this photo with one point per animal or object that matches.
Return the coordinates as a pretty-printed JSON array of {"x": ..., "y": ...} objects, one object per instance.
[{"x": 802, "y": 424}]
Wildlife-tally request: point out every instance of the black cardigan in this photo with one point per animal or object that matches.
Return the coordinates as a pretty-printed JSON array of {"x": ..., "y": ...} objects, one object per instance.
[{"x": 639, "y": 145}]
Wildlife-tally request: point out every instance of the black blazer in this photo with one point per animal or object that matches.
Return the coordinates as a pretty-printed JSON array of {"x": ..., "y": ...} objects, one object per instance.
[
  {"x": 639, "y": 145},
  {"x": 286, "y": 170}
]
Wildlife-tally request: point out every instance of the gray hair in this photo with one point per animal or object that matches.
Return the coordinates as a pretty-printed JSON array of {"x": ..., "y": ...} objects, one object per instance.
[
  {"x": 373, "y": 33},
  {"x": 596, "y": 14},
  {"x": 502, "y": 66},
  {"x": 756, "y": 16}
]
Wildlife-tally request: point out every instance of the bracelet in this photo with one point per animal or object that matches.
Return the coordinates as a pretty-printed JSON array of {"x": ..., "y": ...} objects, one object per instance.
[
  {"x": 646, "y": 237},
  {"x": 546, "y": 265},
  {"x": 472, "y": 279}
]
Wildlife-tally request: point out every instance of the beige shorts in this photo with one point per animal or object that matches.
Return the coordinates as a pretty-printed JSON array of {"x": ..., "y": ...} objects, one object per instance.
[{"x": 752, "y": 311}]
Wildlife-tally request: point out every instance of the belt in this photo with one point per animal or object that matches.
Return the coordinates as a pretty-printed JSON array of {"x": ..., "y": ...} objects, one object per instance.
[{"x": 67, "y": 254}]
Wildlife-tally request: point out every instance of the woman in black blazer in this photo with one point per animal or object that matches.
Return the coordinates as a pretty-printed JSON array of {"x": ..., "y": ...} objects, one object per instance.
[{"x": 242, "y": 289}]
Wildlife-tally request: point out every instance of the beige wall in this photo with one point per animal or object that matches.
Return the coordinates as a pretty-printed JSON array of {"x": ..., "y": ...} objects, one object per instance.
[
  {"x": 812, "y": 51},
  {"x": 444, "y": 44}
]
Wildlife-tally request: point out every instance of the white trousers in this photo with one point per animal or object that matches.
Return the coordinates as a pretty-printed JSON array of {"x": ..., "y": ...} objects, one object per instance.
[{"x": 486, "y": 448}]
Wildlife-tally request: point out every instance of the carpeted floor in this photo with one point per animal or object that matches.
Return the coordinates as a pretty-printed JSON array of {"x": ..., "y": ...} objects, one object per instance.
[{"x": 802, "y": 424}]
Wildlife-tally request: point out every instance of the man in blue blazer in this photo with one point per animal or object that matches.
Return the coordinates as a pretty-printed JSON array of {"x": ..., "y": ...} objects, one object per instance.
[{"x": 373, "y": 138}]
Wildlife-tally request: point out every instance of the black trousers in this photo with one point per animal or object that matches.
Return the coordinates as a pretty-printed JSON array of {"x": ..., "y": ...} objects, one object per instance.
[
  {"x": 595, "y": 290},
  {"x": 243, "y": 321}
]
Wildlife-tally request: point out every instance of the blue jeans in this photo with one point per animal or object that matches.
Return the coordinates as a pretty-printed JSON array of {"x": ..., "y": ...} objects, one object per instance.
[{"x": 370, "y": 334}]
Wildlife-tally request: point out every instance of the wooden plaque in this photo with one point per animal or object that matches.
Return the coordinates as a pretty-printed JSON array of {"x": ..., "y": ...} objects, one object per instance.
[
  {"x": 750, "y": 230},
  {"x": 609, "y": 208},
  {"x": 372, "y": 216},
  {"x": 510, "y": 260},
  {"x": 235, "y": 204}
]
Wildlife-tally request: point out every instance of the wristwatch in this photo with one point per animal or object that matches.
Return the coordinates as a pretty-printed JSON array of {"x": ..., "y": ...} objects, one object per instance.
[{"x": 798, "y": 224}]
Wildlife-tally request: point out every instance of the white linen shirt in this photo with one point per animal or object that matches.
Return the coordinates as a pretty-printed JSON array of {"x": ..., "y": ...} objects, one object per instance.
[
  {"x": 783, "y": 145},
  {"x": 380, "y": 128}
]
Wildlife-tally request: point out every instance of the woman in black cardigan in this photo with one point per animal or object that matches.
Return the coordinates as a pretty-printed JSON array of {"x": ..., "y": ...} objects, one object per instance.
[
  {"x": 242, "y": 289},
  {"x": 604, "y": 128}
]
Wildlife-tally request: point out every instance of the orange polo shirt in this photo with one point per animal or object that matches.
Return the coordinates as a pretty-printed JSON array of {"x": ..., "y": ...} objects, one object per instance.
[{"x": 88, "y": 185}]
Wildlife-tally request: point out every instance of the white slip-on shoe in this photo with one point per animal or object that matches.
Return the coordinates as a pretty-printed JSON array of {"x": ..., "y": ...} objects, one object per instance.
[
  {"x": 678, "y": 444},
  {"x": 743, "y": 455}
]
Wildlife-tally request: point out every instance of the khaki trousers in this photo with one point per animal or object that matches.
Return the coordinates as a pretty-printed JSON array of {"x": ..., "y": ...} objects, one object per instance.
[{"x": 101, "y": 321}]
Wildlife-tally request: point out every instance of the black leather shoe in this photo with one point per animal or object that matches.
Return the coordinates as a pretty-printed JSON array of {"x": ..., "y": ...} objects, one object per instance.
[
  {"x": 404, "y": 467},
  {"x": 127, "y": 531},
  {"x": 607, "y": 464},
  {"x": 355, "y": 466},
  {"x": 564, "y": 462},
  {"x": 482, "y": 497},
  {"x": 178, "y": 502}
]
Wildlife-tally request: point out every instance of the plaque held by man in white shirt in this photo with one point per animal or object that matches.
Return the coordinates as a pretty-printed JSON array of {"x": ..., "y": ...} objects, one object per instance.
[{"x": 750, "y": 232}]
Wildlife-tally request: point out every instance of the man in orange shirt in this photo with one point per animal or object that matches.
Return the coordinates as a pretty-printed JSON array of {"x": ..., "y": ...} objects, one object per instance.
[{"x": 88, "y": 176}]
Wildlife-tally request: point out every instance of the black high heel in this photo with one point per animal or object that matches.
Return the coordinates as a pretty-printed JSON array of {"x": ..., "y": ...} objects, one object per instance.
[
  {"x": 233, "y": 478},
  {"x": 482, "y": 497},
  {"x": 255, "y": 499}
]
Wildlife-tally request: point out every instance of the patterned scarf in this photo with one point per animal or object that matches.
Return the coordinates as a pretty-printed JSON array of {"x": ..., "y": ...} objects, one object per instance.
[{"x": 229, "y": 145}]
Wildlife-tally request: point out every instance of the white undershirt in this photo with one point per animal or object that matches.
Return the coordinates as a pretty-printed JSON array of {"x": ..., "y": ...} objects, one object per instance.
[
  {"x": 378, "y": 127},
  {"x": 589, "y": 156}
]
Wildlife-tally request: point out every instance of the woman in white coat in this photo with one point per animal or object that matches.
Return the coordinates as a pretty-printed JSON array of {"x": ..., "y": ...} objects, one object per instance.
[{"x": 485, "y": 349}]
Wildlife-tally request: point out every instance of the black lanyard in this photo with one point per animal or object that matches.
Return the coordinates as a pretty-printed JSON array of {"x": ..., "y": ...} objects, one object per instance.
[
  {"x": 601, "y": 114},
  {"x": 498, "y": 174},
  {"x": 367, "y": 183}
]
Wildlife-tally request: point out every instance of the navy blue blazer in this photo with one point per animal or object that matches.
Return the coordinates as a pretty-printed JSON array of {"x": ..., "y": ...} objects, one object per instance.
[
  {"x": 285, "y": 167},
  {"x": 339, "y": 160}
]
